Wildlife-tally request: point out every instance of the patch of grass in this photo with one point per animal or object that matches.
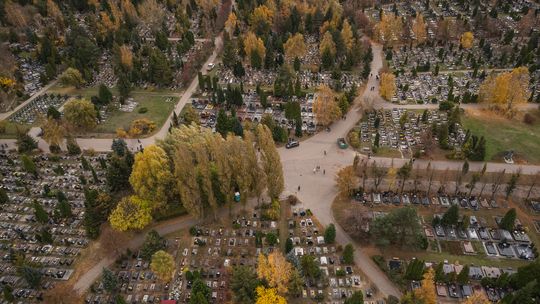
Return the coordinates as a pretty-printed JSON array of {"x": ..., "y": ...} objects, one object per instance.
[
  {"x": 11, "y": 130},
  {"x": 503, "y": 135},
  {"x": 157, "y": 111},
  {"x": 388, "y": 152},
  {"x": 471, "y": 259}
]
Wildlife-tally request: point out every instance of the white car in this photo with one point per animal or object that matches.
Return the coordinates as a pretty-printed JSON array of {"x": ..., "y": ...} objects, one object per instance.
[{"x": 210, "y": 66}]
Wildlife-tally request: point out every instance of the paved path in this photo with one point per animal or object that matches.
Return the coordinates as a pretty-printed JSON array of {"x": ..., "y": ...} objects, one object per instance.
[
  {"x": 38, "y": 93},
  {"x": 163, "y": 228},
  {"x": 317, "y": 191}
]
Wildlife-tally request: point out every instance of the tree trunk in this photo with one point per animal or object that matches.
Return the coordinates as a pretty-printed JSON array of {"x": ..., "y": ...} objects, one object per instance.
[{"x": 530, "y": 189}]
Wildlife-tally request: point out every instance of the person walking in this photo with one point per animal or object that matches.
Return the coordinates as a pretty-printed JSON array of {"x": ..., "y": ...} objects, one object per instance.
[
  {"x": 324, "y": 171},
  {"x": 298, "y": 188},
  {"x": 324, "y": 152}
]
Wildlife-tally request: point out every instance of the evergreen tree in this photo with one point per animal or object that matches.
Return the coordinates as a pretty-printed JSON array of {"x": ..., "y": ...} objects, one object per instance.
[{"x": 509, "y": 219}]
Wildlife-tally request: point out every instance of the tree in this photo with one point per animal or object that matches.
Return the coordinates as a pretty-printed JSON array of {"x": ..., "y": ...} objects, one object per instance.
[
  {"x": 31, "y": 275},
  {"x": 477, "y": 298},
  {"x": 451, "y": 216},
  {"x": 512, "y": 183},
  {"x": 330, "y": 234},
  {"x": 271, "y": 163},
  {"x": 105, "y": 96},
  {"x": 296, "y": 283},
  {"x": 53, "y": 131},
  {"x": 254, "y": 45},
  {"x": 28, "y": 165},
  {"x": 40, "y": 213},
  {"x": 348, "y": 254},
  {"x": 467, "y": 40},
  {"x": 356, "y": 298},
  {"x": 7, "y": 291},
  {"x": 152, "y": 13},
  {"x": 275, "y": 270},
  {"x": 261, "y": 20},
  {"x": 25, "y": 143},
  {"x": 119, "y": 170},
  {"x": 419, "y": 28},
  {"x": 379, "y": 173},
  {"x": 72, "y": 77},
  {"x": 426, "y": 293},
  {"x": 388, "y": 86},
  {"x": 346, "y": 181},
  {"x": 399, "y": 227},
  {"x": 152, "y": 243},
  {"x": 463, "y": 276},
  {"x": 328, "y": 45},
  {"x": 295, "y": 47},
  {"x": 509, "y": 219},
  {"x": 131, "y": 213},
  {"x": 347, "y": 35},
  {"x": 4, "y": 198},
  {"x": 110, "y": 282},
  {"x": 269, "y": 296},
  {"x": 506, "y": 89},
  {"x": 151, "y": 177},
  {"x": 190, "y": 116},
  {"x": 80, "y": 114},
  {"x": 309, "y": 266},
  {"x": 243, "y": 283},
  {"x": 325, "y": 107},
  {"x": 231, "y": 23},
  {"x": 163, "y": 265},
  {"x": 388, "y": 29},
  {"x": 404, "y": 173}
]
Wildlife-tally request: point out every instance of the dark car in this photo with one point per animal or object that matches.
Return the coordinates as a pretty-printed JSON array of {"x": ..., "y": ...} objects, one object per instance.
[{"x": 292, "y": 144}]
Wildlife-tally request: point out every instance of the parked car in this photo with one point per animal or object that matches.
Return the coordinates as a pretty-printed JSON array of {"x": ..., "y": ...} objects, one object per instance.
[
  {"x": 292, "y": 144},
  {"x": 341, "y": 143}
]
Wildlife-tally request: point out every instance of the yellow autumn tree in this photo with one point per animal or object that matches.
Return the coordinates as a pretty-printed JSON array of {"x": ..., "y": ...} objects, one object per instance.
[
  {"x": 426, "y": 293},
  {"x": 467, "y": 40},
  {"x": 126, "y": 57},
  {"x": 141, "y": 126},
  {"x": 207, "y": 6},
  {"x": 53, "y": 131},
  {"x": 261, "y": 19},
  {"x": 152, "y": 13},
  {"x": 128, "y": 9},
  {"x": 419, "y": 28},
  {"x": 347, "y": 35},
  {"x": 231, "y": 23},
  {"x": 295, "y": 47},
  {"x": 275, "y": 270},
  {"x": 505, "y": 90},
  {"x": 477, "y": 298},
  {"x": 151, "y": 178},
  {"x": 54, "y": 12},
  {"x": 15, "y": 14},
  {"x": 80, "y": 114},
  {"x": 387, "y": 87},
  {"x": 388, "y": 29},
  {"x": 325, "y": 107},
  {"x": 163, "y": 265},
  {"x": 252, "y": 43},
  {"x": 132, "y": 212},
  {"x": 269, "y": 296},
  {"x": 346, "y": 181},
  {"x": 327, "y": 43}
]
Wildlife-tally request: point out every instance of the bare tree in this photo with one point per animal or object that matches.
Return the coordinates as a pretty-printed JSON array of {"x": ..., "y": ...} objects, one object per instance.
[
  {"x": 497, "y": 181},
  {"x": 533, "y": 184},
  {"x": 482, "y": 173},
  {"x": 378, "y": 173},
  {"x": 431, "y": 173},
  {"x": 442, "y": 188},
  {"x": 512, "y": 183},
  {"x": 364, "y": 172},
  {"x": 474, "y": 180},
  {"x": 416, "y": 177}
]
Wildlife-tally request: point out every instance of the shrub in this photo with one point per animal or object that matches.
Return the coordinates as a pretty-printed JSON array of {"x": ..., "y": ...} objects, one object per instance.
[
  {"x": 271, "y": 238},
  {"x": 55, "y": 149},
  {"x": 348, "y": 254},
  {"x": 446, "y": 105},
  {"x": 330, "y": 234},
  {"x": 529, "y": 119},
  {"x": 143, "y": 110}
]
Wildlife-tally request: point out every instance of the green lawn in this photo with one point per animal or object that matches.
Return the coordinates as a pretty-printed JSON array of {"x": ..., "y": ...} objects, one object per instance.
[
  {"x": 503, "y": 135},
  {"x": 154, "y": 100},
  {"x": 158, "y": 111},
  {"x": 11, "y": 130}
]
